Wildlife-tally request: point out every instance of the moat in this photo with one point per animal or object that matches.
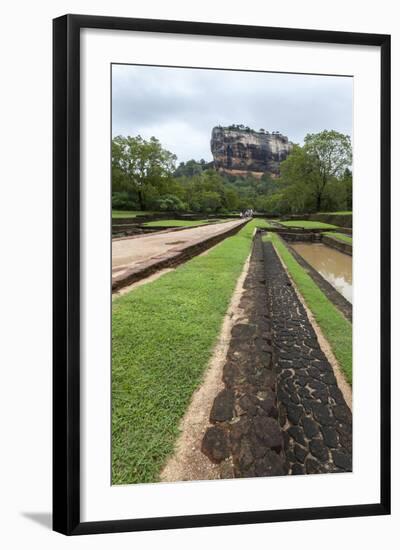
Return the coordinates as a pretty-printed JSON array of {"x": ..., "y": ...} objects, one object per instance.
[{"x": 331, "y": 264}]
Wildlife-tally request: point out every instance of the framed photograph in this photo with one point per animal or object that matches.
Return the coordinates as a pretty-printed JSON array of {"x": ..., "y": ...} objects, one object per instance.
[{"x": 219, "y": 358}]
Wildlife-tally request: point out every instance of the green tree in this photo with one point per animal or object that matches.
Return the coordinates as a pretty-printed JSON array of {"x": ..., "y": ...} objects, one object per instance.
[
  {"x": 205, "y": 192},
  {"x": 348, "y": 186},
  {"x": 297, "y": 168},
  {"x": 231, "y": 199},
  {"x": 190, "y": 168},
  {"x": 330, "y": 153},
  {"x": 323, "y": 158},
  {"x": 273, "y": 204},
  {"x": 209, "y": 201},
  {"x": 138, "y": 165},
  {"x": 170, "y": 203},
  {"x": 268, "y": 185}
]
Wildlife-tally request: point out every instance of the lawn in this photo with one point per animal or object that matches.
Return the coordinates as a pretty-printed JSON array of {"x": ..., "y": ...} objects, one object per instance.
[
  {"x": 306, "y": 224},
  {"x": 262, "y": 224},
  {"x": 178, "y": 223},
  {"x": 340, "y": 237},
  {"x": 341, "y": 213},
  {"x": 163, "y": 334},
  {"x": 336, "y": 328},
  {"x": 130, "y": 213}
]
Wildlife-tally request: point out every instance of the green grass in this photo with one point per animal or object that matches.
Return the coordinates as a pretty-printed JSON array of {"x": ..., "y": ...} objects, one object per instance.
[
  {"x": 336, "y": 328},
  {"x": 177, "y": 223},
  {"x": 163, "y": 334},
  {"x": 341, "y": 213},
  {"x": 306, "y": 224},
  {"x": 340, "y": 237},
  {"x": 130, "y": 213},
  {"x": 263, "y": 224}
]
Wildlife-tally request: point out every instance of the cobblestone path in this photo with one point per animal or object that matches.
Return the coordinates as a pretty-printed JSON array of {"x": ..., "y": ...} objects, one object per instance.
[
  {"x": 316, "y": 422},
  {"x": 281, "y": 411},
  {"x": 246, "y": 430}
]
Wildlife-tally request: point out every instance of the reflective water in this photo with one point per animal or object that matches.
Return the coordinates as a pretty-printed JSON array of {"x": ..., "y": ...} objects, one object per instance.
[{"x": 333, "y": 265}]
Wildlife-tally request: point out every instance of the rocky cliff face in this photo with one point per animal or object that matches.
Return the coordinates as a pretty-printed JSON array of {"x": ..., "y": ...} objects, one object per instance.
[{"x": 242, "y": 151}]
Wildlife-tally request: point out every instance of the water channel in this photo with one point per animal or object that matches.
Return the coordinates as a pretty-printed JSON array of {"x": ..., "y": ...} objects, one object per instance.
[{"x": 331, "y": 264}]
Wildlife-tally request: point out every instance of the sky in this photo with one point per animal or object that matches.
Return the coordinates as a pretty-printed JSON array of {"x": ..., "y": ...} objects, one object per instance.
[{"x": 180, "y": 106}]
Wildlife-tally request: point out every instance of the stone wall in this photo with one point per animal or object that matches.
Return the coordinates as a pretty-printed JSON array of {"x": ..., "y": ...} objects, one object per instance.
[
  {"x": 346, "y": 248},
  {"x": 341, "y": 220},
  {"x": 305, "y": 236}
]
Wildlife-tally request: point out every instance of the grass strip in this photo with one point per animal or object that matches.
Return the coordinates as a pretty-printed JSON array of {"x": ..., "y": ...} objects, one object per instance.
[
  {"x": 163, "y": 334},
  {"x": 340, "y": 237},
  {"x": 340, "y": 212},
  {"x": 335, "y": 327},
  {"x": 129, "y": 213},
  {"x": 262, "y": 223},
  {"x": 307, "y": 224}
]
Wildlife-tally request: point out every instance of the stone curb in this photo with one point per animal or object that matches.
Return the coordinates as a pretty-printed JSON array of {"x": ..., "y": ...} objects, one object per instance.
[{"x": 346, "y": 248}]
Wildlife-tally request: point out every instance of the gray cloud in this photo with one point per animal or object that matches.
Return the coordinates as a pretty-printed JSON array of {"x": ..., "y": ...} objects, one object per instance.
[{"x": 180, "y": 106}]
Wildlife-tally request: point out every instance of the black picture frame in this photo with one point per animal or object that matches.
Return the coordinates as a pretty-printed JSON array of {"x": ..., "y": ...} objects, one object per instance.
[{"x": 66, "y": 273}]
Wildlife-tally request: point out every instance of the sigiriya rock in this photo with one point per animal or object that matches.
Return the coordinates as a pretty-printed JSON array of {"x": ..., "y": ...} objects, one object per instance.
[{"x": 238, "y": 150}]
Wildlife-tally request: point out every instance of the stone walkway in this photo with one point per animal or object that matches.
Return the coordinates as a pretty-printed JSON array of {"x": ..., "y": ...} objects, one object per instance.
[
  {"x": 139, "y": 256},
  {"x": 281, "y": 411},
  {"x": 246, "y": 431},
  {"x": 316, "y": 422}
]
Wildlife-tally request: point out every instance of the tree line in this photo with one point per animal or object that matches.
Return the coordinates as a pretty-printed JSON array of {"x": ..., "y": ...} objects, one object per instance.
[{"x": 315, "y": 177}]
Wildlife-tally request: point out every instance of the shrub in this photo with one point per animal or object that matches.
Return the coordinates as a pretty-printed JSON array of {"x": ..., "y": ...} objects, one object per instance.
[
  {"x": 170, "y": 203},
  {"x": 123, "y": 200}
]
